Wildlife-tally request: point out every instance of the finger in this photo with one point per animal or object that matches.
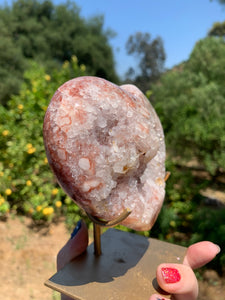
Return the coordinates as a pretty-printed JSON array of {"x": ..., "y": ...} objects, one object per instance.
[
  {"x": 177, "y": 280},
  {"x": 200, "y": 254},
  {"x": 75, "y": 246}
]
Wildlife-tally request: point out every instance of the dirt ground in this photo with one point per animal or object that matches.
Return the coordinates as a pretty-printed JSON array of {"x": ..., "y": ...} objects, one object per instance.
[{"x": 27, "y": 259}]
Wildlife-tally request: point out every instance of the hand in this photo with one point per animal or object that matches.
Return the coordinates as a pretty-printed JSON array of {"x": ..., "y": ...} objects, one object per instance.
[
  {"x": 179, "y": 279},
  {"x": 176, "y": 279}
]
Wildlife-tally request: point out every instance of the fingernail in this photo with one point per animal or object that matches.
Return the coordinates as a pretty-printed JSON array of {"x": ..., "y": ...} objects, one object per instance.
[
  {"x": 218, "y": 247},
  {"x": 170, "y": 275},
  {"x": 76, "y": 229}
]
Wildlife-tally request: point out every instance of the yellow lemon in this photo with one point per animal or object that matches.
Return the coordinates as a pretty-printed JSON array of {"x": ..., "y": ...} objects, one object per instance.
[
  {"x": 2, "y": 200},
  {"x": 47, "y": 77},
  {"x": 38, "y": 208},
  {"x": 47, "y": 211},
  {"x": 31, "y": 150},
  {"x": 8, "y": 192},
  {"x": 29, "y": 183},
  {"x": 58, "y": 204},
  {"x": 5, "y": 132},
  {"x": 172, "y": 223},
  {"x": 29, "y": 145},
  {"x": 55, "y": 191}
]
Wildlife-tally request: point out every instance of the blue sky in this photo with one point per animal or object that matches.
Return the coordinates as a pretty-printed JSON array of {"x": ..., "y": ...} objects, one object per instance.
[{"x": 180, "y": 23}]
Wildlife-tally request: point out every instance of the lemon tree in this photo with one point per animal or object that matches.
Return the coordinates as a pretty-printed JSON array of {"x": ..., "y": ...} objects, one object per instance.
[{"x": 27, "y": 184}]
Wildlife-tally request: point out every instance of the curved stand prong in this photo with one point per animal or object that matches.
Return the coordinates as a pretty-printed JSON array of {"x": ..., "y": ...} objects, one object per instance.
[
  {"x": 166, "y": 176},
  {"x": 111, "y": 223}
]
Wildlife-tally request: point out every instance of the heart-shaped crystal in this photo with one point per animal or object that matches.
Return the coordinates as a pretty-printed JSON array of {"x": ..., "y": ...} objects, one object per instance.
[{"x": 105, "y": 145}]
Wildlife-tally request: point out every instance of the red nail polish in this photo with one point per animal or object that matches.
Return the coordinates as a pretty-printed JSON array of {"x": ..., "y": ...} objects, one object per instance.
[{"x": 170, "y": 275}]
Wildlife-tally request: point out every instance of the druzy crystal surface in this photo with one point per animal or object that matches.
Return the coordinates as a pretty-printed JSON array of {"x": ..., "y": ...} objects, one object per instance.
[{"x": 105, "y": 145}]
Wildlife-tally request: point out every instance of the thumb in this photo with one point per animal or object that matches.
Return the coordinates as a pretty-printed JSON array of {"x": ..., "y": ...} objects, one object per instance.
[{"x": 177, "y": 280}]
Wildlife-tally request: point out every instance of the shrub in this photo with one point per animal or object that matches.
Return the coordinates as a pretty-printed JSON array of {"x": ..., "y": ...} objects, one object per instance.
[
  {"x": 190, "y": 102},
  {"x": 27, "y": 184}
]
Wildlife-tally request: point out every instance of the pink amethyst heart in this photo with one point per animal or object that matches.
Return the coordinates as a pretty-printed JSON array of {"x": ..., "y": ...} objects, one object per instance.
[{"x": 105, "y": 145}]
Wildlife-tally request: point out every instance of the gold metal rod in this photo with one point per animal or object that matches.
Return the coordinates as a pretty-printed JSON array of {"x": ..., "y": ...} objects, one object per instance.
[
  {"x": 97, "y": 228},
  {"x": 97, "y": 240}
]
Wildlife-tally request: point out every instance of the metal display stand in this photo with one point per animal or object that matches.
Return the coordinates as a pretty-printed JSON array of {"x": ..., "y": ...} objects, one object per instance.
[{"x": 124, "y": 270}]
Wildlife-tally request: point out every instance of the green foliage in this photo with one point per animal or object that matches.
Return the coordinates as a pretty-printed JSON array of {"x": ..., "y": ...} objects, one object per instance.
[
  {"x": 50, "y": 34},
  {"x": 209, "y": 224},
  {"x": 27, "y": 184},
  {"x": 186, "y": 218},
  {"x": 12, "y": 62},
  {"x": 177, "y": 212},
  {"x": 218, "y": 29},
  {"x": 190, "y": 101},
  {"x": 74, "y": 214}
]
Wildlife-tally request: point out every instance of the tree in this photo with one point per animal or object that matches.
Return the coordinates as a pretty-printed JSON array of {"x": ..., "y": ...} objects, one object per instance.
[
  {"x": 12, "y": 65},
  {"x": 190, "y": 101},
  {"x": 12, "y": 62},
  {"x": 151, "y": 56},
  {"x": 51, "y": 34},
  {"x": 221, "y": 1},
  {"x": 218, "y": 30}
]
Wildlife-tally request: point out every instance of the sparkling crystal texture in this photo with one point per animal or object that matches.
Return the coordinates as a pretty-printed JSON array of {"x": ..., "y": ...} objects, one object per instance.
[{"x": 105, "y": 144}]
